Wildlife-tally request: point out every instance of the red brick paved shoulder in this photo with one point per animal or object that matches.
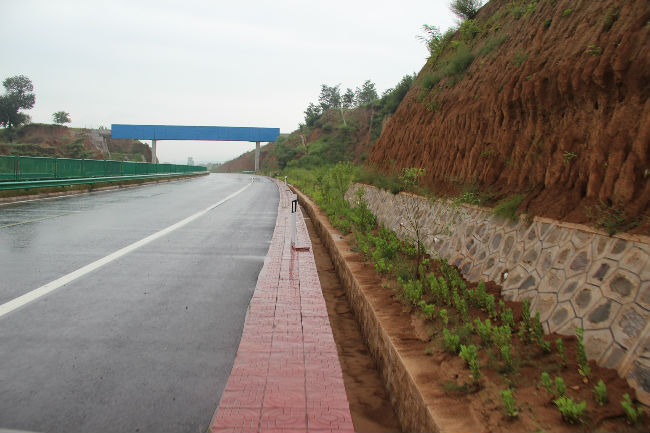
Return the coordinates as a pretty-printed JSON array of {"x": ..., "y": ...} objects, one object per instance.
[{"x": 286, "y": 376}]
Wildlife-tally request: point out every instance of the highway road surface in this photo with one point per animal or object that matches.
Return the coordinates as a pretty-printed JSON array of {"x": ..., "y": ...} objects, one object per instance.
[{"x": 121, "y": 311}]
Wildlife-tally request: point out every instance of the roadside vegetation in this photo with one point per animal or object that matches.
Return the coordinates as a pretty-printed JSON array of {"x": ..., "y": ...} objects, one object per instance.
[
  {"x": 341, "y": 126},
  {"x": 502, "y": 346}
]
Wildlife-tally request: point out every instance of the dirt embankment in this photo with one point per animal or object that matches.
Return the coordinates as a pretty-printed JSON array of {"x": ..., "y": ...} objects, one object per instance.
[
  {"x": 246, "y": 161},
  {"x": 560, "y": 111},
  {"x": 60, "y": 141}
]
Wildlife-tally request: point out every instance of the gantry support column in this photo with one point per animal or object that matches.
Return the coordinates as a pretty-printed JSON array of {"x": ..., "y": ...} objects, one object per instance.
[
  {"x": 153, "y": 151},
  {"x": 257, "y": 156}
]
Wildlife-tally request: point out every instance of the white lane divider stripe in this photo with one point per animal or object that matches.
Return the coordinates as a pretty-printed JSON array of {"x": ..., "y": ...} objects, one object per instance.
[{"x": 20, "y": 301}]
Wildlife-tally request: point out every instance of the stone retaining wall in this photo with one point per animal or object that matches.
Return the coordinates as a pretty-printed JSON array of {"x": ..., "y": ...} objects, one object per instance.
[{"x": 573, "y": 275}]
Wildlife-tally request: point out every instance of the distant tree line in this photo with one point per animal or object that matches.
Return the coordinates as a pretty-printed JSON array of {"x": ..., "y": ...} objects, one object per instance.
[
  {"x": 338, "y": 141},
  {"x": 364, "y": 96},
  {"x": 331, "y": 98},
  {"x": 18, "y": 96}
]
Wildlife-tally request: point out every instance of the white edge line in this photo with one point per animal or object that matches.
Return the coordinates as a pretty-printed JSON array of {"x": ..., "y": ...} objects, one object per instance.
[{"x": 20, "y": 301}]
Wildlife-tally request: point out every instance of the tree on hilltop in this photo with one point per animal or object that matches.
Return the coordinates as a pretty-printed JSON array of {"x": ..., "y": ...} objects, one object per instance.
[
  {"x": 465, "y": 9},
  {"x": 330, "y": 97},
  {"x": 348, "y": 98},
  {"x": 366, "y": 93},
  {"x": 312, "y": 113},
  {"x": 18, "y": 96},
  {"x": 61, "y": 117}
]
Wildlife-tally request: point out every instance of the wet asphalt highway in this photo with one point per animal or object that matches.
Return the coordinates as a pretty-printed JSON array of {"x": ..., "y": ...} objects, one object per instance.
[{"x": 145, "y": 342}]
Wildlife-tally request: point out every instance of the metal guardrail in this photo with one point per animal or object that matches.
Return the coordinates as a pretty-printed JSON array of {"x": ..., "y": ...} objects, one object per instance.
[
  {"x": 30, "y": 168},
  {"x": 18, "y": 172},
  {"x": 27, "y": 184}
]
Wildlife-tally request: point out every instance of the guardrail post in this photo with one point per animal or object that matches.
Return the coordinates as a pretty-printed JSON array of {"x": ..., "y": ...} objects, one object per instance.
[{"x": 294, "y": 209}]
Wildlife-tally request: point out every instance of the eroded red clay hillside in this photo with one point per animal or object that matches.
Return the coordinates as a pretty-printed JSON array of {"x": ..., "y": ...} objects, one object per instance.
[{"x": 560, "y": 111}]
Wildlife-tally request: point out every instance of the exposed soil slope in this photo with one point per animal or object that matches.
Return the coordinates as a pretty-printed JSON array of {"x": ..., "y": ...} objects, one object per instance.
[
  {"x": 60, "y": 141},
  {"x": 559, "y": 111},
  {"x": 246, "y": 161}
]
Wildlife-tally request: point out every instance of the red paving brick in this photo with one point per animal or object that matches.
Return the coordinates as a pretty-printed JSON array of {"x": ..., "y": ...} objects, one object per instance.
[{"x": 286, "y": 376}]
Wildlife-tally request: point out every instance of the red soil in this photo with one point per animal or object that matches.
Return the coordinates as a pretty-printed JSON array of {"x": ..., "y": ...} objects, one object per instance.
[{"x": 511, "y": 129}]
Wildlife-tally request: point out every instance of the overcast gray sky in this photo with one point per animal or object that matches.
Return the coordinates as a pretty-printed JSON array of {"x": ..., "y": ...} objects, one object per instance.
[{"x": 192, "y": 62}]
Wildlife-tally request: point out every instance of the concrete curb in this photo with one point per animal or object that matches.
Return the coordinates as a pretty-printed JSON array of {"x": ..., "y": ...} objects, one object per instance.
[{"x": 415, "y": 411}]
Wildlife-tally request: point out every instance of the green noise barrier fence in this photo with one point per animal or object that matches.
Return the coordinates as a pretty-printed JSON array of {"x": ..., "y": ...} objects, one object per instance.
[{"x": 30, "y": 171}]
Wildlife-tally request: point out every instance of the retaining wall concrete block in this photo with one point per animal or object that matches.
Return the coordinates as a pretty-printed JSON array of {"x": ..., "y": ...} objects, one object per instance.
[
  {"x": 491, "y": 269},
  {"x": 644, "y": 348},
  {"x": 640, "y": 378},
  {"x": 555, "y": 235},
  {"x": 552, "y": 281},
  {"x": 622, "y": 286},
  {"x": 612, "y": 357},
  {"x": 600, "y": 270},
  {"x": 628, "y": 325},
  {"x": 569, "y": 328},
  {"x": 529, "y": 284},
  {"x": 508, "y": 243},
  {"x": 515, "y": 278},
  {"x": 602, "y": 314},
  {"x": 579, "y": 262},
  {"x": 545, "y": 262},
  {"x": 635, "y": 260},
  {"x": 597, "y": 342},
  {"x": 494, "y": 243},
  {"x": 600, "y": 247},
  {"x": 531, "y": 236},
  {"x": 643, "y": 298},
  {"x": 531, "y": 256},
  {"x": 545, "y": 304},
  {"x": 617, "y": 248},
  {"x": 585, "y": 297},
  {"x": 581, "y": 239},
  {"x": 562, "y": 314},
  {"x": 571, "y": 286},
  {"x": 645, "y": 273},
  {"x": 566, "y": 252}
]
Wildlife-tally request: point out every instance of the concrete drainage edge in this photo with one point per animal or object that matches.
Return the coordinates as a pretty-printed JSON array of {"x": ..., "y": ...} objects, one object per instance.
[{"x": 411, "y": 409}]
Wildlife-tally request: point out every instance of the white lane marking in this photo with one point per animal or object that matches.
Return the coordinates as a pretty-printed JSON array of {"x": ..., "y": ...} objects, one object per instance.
[{"x": 20, "y": 301}]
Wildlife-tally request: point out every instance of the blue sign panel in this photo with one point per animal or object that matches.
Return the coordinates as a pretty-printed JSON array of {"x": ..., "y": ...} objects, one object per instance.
[{"x": 209, "y": 133}]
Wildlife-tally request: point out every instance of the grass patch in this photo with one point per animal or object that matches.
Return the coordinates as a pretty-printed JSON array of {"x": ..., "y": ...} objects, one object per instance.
[
  {"x": 491, "y": 44},
  {"x": 610, "y": 18},
  {"x": 519, "y": 58},
  {"x": 612, "y": 219},
  {"x": 507, "y": 208},
  {"x": 461, "y": 60}
]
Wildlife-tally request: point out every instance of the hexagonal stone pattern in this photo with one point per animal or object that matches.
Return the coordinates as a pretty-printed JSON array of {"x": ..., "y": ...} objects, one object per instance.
[
  {"x": 574, "y": 277},
  {"x": 597, "y": 342},
  {"x": 622, "y": 286},
  {"x": 628, "y": 325}
]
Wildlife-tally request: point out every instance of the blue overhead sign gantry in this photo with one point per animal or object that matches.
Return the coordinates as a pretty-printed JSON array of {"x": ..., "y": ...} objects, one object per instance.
[
  {"x": 208, "y": 133},
  {"x": 202, "y": 133}
]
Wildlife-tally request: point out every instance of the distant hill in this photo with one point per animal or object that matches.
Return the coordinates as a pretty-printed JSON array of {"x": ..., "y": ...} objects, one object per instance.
[
  {"x": 39, "y": 139},
  {"x": 329, "y": 135}
]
